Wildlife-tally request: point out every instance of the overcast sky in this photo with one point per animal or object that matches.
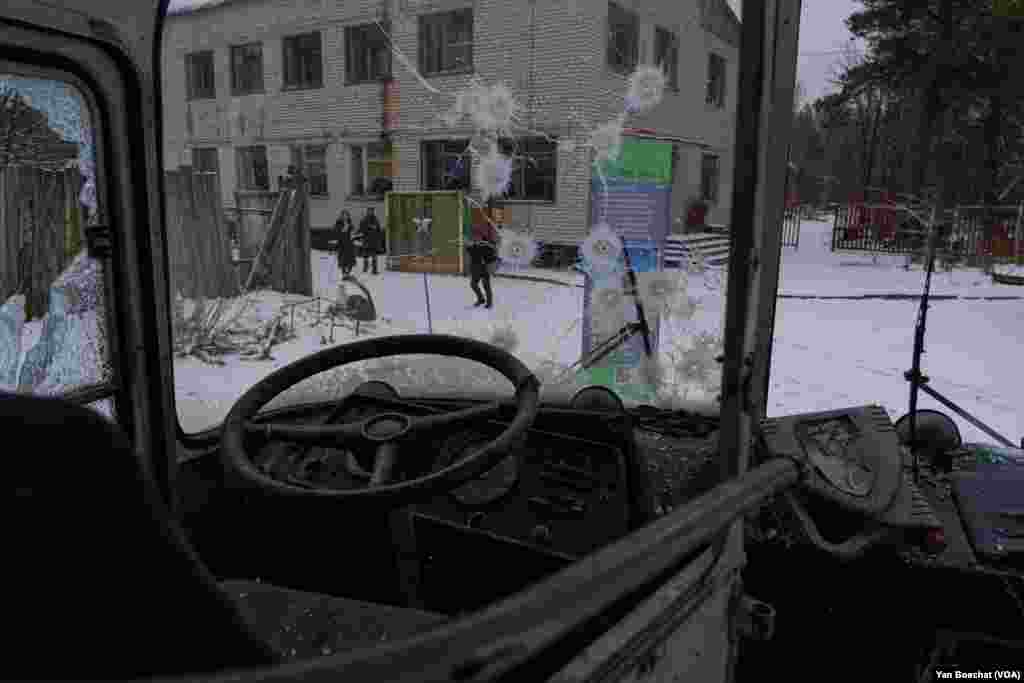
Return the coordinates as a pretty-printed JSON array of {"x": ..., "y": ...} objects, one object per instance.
[{"x": 823, "y": 35}]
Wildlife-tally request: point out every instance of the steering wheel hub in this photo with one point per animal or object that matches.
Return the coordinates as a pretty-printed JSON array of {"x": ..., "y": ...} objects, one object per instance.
[{"x": 386, "y": 427}]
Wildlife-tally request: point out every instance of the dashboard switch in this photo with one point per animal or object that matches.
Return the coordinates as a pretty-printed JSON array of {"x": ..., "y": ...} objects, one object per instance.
[{"x": 541, "y": 534}]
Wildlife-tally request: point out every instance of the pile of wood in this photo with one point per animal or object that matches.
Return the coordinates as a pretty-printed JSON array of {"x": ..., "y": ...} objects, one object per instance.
[
  {"x": 282, "y": 262},
  {"x": 214, "y": 328}
]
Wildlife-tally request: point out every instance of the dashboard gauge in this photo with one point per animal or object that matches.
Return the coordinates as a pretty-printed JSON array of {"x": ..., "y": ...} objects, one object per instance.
[
  {"x": 491, "y": 485},
  {"x": 597, "y": 398}
]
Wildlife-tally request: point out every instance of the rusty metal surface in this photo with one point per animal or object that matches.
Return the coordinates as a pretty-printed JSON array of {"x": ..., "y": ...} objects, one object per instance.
[
  {"x": 682, "y": 632},
  {"x": 302, "y": 625}
]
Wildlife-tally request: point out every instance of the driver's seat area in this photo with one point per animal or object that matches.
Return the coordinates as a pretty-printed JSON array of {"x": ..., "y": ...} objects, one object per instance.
[{"x": 103, "y": 583}]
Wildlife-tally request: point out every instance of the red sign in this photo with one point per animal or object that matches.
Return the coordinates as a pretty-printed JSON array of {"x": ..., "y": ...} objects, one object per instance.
[{"x": 390, "y": 97}]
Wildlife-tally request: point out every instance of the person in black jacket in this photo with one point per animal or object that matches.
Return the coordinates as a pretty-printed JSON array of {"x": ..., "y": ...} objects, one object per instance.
[
  {"x": 372, "y": 238},
  {"x": 483, "y": 254},
  {"x": 344, "y": 232}
]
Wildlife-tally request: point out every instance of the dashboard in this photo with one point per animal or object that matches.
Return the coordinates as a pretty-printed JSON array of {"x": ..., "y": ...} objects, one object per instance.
[
  {"x": 563, "y": 491},
  {"x": 555, "y": 492}
]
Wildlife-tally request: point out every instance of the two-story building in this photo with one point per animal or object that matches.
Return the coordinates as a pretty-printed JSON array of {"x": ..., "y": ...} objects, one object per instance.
[{"x": 353, "y": 91}]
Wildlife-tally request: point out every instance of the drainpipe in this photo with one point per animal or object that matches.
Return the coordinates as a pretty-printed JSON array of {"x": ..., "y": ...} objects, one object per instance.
[{"x": 532, "y": 86}]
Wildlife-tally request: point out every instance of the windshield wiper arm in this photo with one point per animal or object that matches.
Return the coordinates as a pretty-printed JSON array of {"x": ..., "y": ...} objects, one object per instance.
[
  {"x": 625, "y": 333},
  {"x": 608, "y": 345},
  {"x": 640, "y": 315}
]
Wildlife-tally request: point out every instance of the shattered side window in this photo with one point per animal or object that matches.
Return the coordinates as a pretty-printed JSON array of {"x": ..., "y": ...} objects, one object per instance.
[{"x": 53, "y": 327}]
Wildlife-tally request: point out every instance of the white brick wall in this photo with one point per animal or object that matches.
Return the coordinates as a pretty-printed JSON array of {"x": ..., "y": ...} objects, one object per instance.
[{"x": 563, "y": 56}]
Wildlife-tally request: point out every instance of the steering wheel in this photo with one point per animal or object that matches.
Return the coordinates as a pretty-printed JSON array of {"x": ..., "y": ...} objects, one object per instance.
[{"x": 389, "y": 431}]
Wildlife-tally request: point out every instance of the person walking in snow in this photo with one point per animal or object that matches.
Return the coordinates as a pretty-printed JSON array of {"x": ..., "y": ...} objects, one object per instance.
[
  {"x": 345, "y": 233},
  {"x": 372, "y": 240},
  {"x": 483, "y": 257}
]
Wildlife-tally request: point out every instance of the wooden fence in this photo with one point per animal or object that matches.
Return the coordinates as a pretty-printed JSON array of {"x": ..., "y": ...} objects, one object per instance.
[
  {"x": 274, "y": 235},
  {"x": 198, "y": 248},
  {"x": 40, "y": 231}
]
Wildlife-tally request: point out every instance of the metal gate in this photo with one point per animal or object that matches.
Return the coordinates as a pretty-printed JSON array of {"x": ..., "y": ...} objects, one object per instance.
[{"x": 791, "y": 227}]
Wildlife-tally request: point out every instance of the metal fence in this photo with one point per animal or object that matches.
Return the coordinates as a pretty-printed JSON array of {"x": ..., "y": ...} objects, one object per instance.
[
  {"x": 791, "y": 227},
  {"x": 973, "y": 232},
  {"x": 712, "y": 249},
  {"x": 1002, "y": 241}
]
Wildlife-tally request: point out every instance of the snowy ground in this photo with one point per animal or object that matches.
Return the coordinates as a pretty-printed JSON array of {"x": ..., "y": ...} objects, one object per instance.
[
  {"x": 831, "y": 353},
  {"x": 543, "y": 318},
  {"x": 827, "y": 353}
]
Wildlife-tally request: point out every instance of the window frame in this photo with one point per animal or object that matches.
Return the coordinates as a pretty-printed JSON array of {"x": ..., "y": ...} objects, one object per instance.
[
  {"x": 710, "y": 190},
  {"x": 716, "y": 97},
  {"x": 118, "y": 389},
  {"x": 197, "y": 153},
  {"x": 364, "y": 170},
  {"x": 241, "y": 175},
  {"x": 304, "y": 150},
  {"x": 508, "y": 147},
  {"x": 620, "y": 16},
  {"x": 291, "y": 50},
  {"x": 236, "y": 89},
  {"x": 425, "y": 172},
  {"x": 190, "y": 82},
  {"x": 663, "y": 38},
  {"x": 360, "y": 31},
  {"x": 443, "y": 19}
]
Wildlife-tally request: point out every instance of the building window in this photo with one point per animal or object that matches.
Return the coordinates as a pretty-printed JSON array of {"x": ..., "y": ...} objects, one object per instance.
[
  {"x": 246, "y": 69},
  {"x": 312, "y": 159},
  {"x": 204, "y": 161},
  {"x": 199, "y": 75},
  {"x": 533, "y": 168},
  {"x": 716, "y": 81},
  {"x": 709, "y": 177},
  {"x": 446, "y": 165},
  {"x": 373, "y": 169},
  {"x": 446, "y": 42},
  {"x": 367, "y": 54},
  {"x": 303, "y": 65},
  {"x": 666, "y": 55},
  {"x": 623, "y": 39},
  {"x": 253, "y": 172}
]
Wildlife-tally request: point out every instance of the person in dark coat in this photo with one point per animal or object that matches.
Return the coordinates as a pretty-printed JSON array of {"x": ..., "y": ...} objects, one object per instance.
[
  {"x": 345, "y": 234},
  {"x": 483, "y": 254},
  {"x": 372, "y": 240}
]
